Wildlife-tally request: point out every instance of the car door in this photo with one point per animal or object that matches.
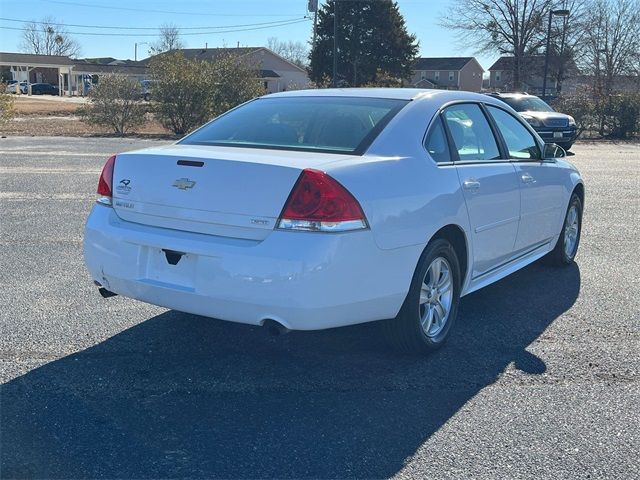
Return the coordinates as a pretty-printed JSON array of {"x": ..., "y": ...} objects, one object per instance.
[
  {"x": 541, "y": 189},
  {"x": 489, "y": 185}
]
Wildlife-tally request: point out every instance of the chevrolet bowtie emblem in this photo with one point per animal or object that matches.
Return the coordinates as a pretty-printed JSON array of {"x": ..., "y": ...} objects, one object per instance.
[{"x": 183, "y": 183}]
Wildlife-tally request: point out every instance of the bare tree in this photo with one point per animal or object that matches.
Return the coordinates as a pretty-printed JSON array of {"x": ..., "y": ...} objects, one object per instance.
[
  {"x": 169, "y": 40},
  {"x": 295, "y": 52},
  {"x": 47, "y": 37},
  {"x": 514, "y": 27},
  {"x": 613, "y": 41}
]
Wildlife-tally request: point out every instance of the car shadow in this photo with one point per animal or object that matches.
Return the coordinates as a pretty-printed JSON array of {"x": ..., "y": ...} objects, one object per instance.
[{"x": 184, "y": 396}]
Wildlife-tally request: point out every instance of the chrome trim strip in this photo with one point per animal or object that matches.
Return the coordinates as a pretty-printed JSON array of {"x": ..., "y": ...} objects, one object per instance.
[
  {"x": 499, "y": 223},
  {"x": 533, "y": 250}
]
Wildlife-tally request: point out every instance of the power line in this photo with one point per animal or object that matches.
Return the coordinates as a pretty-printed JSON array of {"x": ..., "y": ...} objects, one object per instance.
[
  {"x": 182, "y": 34},
  {"x": 170, "y": 12},
  {"x": 110, "y": 27}
]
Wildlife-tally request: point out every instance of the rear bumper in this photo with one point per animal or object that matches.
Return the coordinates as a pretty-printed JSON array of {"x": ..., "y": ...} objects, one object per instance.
[
  {"x": 305, "y": 281},
  {"x": 559, "y": 135}
]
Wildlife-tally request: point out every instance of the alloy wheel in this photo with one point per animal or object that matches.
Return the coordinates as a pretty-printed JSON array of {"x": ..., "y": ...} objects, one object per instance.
[
  {"x": 436, "y": 297},
  {"x": 571, "y": 229}
]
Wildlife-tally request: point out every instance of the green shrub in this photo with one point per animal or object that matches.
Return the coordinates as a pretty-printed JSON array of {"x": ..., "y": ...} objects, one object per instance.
[
  {"x": 580, "y": 106},
  {"x": 6, "y": 105},
  {"x": 614, "y": 116},
  {"x": 624, "y": 115},
  {"x": 115, "y": 103},
  {"x": 188, "y": 93}
]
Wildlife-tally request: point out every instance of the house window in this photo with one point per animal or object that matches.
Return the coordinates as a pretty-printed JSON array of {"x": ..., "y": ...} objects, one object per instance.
[
  {"x": 498, "y": 76},
  {"x": 451, "y": 76},
  {"x": 423, "y": 75},
  {"x": 437, "y": 76}
]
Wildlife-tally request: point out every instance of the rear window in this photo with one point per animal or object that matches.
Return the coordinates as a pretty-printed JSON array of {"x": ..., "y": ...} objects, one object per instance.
[
  {"x": 527, "y": 104},
  {"x": 318, "y": 124}
]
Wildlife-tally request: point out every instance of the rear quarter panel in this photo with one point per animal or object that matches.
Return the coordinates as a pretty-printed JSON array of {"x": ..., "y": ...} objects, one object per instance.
[{"x": 405, "y": 195}]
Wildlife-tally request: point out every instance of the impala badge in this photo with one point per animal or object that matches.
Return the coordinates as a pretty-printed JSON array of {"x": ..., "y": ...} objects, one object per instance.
[
  {"x": 183, "y": 183},
  {"x": 123, "y": 186}
]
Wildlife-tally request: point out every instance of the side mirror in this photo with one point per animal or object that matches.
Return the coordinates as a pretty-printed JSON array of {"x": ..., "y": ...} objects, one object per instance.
[{"x": 552, "y": 150}]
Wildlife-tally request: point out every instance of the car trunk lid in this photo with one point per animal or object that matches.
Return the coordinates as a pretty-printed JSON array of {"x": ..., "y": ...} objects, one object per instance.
[{"x": 225, "y": 191}]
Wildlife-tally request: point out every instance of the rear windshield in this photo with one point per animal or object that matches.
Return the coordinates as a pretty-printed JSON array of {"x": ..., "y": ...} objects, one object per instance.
[
  {"x": 527, "y": 104},
  {"x": 318, "y": 124}
]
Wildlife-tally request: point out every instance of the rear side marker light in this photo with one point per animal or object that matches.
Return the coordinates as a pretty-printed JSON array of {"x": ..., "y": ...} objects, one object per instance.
[
  {"x": 318, "y": 203},
  {"x": 105, "y": 184}
]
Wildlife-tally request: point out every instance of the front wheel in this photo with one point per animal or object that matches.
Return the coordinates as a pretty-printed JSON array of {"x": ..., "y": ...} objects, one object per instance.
[
  {"x": 567, "y": 245},
  {"x": 430, "y": 309}
]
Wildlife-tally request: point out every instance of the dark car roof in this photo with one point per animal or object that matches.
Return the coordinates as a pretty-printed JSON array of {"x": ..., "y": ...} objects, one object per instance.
[{"x": 510, "y": 95}]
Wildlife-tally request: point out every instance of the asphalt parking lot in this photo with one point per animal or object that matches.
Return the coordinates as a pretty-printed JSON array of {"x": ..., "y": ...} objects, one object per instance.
[{"x": 540, "y": 379}]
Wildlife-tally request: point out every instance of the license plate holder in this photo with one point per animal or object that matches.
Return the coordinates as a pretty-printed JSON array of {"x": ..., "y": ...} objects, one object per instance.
[{"x": 160, "y": 270}]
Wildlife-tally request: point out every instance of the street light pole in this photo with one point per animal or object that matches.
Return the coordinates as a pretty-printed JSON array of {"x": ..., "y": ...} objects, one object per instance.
[
  {"x": 135, "y": 49},
  {"x": 558, "y": 13},
  {"x": 334, "y": 80}
]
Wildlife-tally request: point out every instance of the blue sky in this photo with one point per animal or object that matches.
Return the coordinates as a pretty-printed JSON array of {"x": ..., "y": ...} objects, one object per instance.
[{"x": 422, "y": 18}]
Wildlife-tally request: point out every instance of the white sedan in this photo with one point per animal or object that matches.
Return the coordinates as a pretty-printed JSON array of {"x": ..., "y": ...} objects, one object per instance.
[{"x": 322, "y": 208}]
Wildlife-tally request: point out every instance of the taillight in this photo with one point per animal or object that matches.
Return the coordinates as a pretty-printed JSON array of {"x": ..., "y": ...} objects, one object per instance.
[
  {"x": 319, "y": 203},
  {"x": 105, "y": 184}
]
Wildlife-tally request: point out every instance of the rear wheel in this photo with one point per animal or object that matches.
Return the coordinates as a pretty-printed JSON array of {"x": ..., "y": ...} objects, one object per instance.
[
  {"x": 430, "y": 309},
  {"x": 567, "y": 245}
]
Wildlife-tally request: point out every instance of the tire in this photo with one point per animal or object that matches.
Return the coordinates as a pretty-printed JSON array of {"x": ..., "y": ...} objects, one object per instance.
[
  {"x": 406, "y": 332},
  {"x": 564, "y": 253},
  {"x": 566, "y": 146}
]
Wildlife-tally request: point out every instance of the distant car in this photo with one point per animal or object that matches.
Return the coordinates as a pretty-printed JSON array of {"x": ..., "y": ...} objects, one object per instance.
[
  {"x": 11, "y": 86},
  {"x": 44, "y": 89},
  {"x": 315, "y": 209},
  {"x": 552, "y": 126}
]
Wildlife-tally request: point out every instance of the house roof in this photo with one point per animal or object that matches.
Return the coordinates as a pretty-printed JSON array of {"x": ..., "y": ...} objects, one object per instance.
[
  {"x": 206, "y": 53},
  {"x": 425, "y": 81},
  {"x": 102, "y": 60},
  {"x": 95, "y": 68},
  {"x": 529, "y": 62},
  {"x": 532, "y": 63},
  {"x": 268, "y": 74},
  {"x": 506, "y": 63},
  {"x": 441, "y": 63},
  {"x": 8, "y": 58},
  {"x": 210, "y": 54}
]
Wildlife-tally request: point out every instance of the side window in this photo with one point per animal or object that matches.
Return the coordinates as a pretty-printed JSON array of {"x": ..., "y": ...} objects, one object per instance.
[
  {"x": 520, "y": 143},
  {"x": 471, "y": 132},
  {"x": 436, "y": 142}
]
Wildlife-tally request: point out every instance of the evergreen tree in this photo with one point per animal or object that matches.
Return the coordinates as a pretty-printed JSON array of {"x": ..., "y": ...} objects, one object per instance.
[{"x": 372, "y": 40}]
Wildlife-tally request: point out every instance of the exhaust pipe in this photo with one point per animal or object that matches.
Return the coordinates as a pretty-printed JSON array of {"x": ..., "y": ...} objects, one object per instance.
[
  {"x": 275, "y": 328},
  {"x": 106, "y": 293}
]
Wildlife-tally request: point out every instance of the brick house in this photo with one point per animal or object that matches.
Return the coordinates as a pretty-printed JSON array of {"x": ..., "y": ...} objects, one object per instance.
[{"x": 447, "y": 73}]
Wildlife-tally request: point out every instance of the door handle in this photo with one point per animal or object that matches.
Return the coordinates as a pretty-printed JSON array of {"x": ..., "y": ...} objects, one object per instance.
[
  {"x": 526, "y": 178},
  {"x": 471, "y": 184}
]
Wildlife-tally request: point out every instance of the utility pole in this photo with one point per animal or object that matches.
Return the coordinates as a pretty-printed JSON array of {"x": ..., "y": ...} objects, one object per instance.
[
  {"x": 334, "y": 80},
  {"x": 135, "y": 50},
  {"x": 313, "y": 7}
]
